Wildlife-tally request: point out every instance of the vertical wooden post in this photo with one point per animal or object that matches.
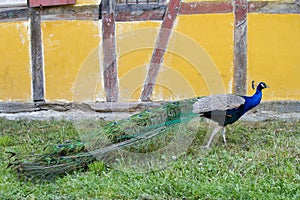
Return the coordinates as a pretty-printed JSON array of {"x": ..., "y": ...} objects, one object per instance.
[
  {"x": 160, "y": 47},
  {"x": 36, "y": 55},
  {"x": 110, "y": 72},
  {"x": 240, "y": 46}
]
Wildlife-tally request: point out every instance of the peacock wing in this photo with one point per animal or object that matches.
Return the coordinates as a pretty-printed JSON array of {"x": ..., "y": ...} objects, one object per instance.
[{"x": 220, "y": 102}]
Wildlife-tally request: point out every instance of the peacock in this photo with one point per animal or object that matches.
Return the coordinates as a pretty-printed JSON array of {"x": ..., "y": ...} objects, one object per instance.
[
  {"x": 75, "y": 155},
  {"x": 227, "y": 109}
]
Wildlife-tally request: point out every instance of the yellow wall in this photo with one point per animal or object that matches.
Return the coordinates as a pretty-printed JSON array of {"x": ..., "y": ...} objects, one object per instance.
[
  {"x": 198, "y": 59},
  {"x": 67, "y": 44},
  {"x": 135, "y": 43},
  {"x": 15, "y": 77},
  {"x": 204, "y": 42},
  {"x": 201, "y": 52},
  {"x": 274, "y": 54}
]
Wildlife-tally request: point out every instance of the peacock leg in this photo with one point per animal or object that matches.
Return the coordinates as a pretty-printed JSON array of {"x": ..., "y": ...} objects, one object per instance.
[
  {"x": 224, "y": 135},
  {"x": 216, "y": 129}
]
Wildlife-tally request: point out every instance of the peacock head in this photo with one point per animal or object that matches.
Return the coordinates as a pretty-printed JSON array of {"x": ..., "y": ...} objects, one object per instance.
[{"x": 261, "y": 86}]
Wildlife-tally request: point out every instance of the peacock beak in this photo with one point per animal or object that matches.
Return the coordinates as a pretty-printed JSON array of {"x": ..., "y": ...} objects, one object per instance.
[{"x": 267, "y": 86}]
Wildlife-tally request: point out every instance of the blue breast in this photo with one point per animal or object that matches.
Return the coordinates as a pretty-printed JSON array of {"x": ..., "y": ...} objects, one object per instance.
[
  {"x": 253, "y": 101},
  {"x": 233, "y": 115}
]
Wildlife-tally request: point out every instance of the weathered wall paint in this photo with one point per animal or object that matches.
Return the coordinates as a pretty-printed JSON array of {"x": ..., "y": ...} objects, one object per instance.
[
  {"x": 67, "y": 44},
  {"x": 273, "y": 54},
  {"x": 15, "y": 77}
]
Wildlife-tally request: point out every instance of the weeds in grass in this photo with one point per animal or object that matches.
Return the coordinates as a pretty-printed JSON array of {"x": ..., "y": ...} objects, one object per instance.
[{"x": 260, "y": 161}]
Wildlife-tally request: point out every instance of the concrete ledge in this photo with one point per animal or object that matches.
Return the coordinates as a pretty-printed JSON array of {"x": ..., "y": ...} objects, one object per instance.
[
  {"x": 286, "y": 110},
  {"x": 17, "y": 107},
  {"x": 280, "y": 106}
]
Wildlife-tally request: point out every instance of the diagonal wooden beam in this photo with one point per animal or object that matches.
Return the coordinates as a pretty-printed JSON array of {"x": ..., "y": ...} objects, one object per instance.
[
  {"x": 160, "y": 47},
  {"x": 240, "y": 46}
]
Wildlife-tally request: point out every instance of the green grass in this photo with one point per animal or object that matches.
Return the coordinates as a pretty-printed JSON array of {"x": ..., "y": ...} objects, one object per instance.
[{"x": 261, "y": 161}]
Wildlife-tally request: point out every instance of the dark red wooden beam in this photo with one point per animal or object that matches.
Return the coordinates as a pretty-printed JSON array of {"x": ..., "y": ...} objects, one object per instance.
[
  {"x": 205, "y": 7},
  {"x": 160, "y": 47},
  {"x": 109, "y": 58},
  {"x": 139, "y": 12},
  {"x": 110, "y": 72}
]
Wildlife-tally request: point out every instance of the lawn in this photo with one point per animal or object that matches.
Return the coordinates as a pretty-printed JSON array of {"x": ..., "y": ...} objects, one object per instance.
[{"x": 260, "y": 161}]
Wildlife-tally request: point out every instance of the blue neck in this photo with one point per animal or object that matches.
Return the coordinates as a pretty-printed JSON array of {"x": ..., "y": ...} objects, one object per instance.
[{"x": 253, "y": 101}]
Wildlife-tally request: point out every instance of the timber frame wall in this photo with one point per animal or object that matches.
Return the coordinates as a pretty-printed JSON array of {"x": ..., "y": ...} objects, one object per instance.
[{"x": 110, "y": 12}]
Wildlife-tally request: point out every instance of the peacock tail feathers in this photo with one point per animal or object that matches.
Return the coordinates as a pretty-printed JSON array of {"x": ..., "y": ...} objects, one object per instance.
[
  {"x": 168, "y": 114},
  {"x": 136, "y": 129}
]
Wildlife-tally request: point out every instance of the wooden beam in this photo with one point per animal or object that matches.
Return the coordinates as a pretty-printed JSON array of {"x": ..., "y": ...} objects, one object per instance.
[
  {"x": 14, "y": 14},
  {"x": 240, "y": 47},
  {"x": 142, "y": 12},
  {"x": 190, "y": 8},
  {"x": 160, "y": 47},
  {"x": 85, "y": 12},
  {"x": 110, "y": 72},
  {"x": 108, "y": 6},
  {"x": 139, "y": 12},
  {"x": 37, "y": 63},
  {"x": 274, "y": 7}
]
